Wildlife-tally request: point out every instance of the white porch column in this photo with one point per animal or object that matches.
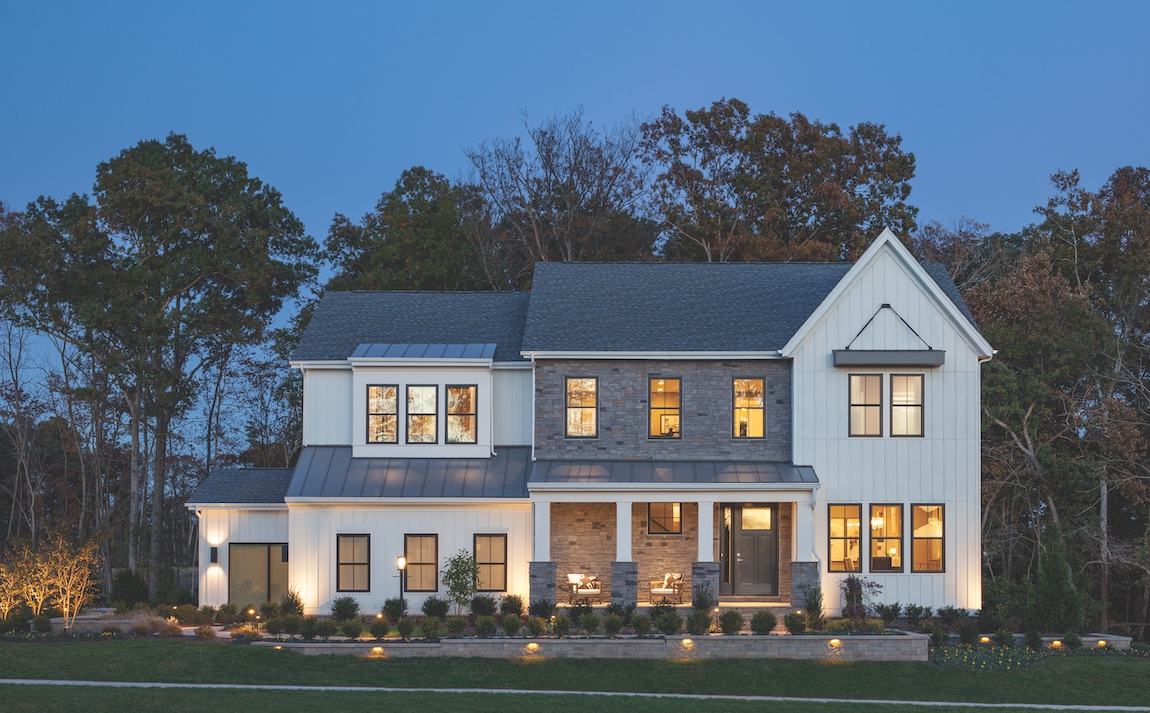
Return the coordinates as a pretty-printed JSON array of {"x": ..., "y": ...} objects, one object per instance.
[
  {"x": 804, "y": 529},
  {"x": 706, "y": 532},
  {"x": 541, "y": 512},
  {"x": 622, "y": 532}
]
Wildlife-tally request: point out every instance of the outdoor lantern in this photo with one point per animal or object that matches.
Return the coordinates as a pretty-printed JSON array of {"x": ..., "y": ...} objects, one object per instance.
[{"x": 401, "y": 565}]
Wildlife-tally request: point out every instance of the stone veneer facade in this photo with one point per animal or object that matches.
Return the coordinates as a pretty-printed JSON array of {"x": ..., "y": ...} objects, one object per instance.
[{"x": 706, "y": 408}]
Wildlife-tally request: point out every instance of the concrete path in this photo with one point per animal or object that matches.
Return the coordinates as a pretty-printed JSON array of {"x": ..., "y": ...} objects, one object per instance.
[{"x": 691, "y": 696}]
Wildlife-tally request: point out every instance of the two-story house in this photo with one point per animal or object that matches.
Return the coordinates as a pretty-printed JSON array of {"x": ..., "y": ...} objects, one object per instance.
[{"x": 758, "y": 427}]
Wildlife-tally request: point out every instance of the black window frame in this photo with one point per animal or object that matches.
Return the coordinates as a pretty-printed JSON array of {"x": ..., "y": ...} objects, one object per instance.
[
  {"x": 735, "y": 408},
  {"x": 851, "y": 405},
  {"x": 340, "y": 564},
  {"x": 504, "y": 564},
  {"x": 267, "y": 575},
  {"x": 447, "y": 413},
  {"x": 407, "y": 414},
  {"x": 871, "y": 538},
  {"x": 942, "y": 539},
  {"x": 921, "y": 406},
  {"x": 567, "y": 407},
  {"x": 831, "y": 538},
  {"x": 370, "y": 413},
  {"x": 651, "y": 519},
  {"x": 434, "y": 561},
  {"x": 678, "y": 435}
]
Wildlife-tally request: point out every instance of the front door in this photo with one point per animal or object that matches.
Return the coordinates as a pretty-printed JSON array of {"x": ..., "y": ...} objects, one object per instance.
[{"x": 749, "y": 551}]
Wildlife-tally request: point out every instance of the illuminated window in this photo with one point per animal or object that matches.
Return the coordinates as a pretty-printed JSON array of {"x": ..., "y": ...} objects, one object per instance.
[
  {"x": 461, "y": 414},
  {"x": 422, "y": 552},
  {"x": 886, "y": 538},
  {"x": 582, "y": 407},
  {"x": 422, "y": 402},
  {"x": 382, "y": 414},
  {"x": 866, "y": 405},
  {"x": 926, "y": 538},
  {"x": 664, "y": 408},
  {"x": 749, "y": 400},
  {"x": 845, "y": 523},
  {"x": 664, "y": 519},
  {"x": 353, "y": 571},
  {"x": 491, "y": 556},
  {"x": 906, "y": 404}
]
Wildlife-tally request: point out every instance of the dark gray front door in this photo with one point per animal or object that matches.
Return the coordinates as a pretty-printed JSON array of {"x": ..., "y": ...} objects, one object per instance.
[{"x": 755, "y": 559}]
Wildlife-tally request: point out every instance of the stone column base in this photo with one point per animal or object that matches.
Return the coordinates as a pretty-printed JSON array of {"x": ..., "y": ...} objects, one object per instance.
[
  {"x": 541, "y": 581},
  {"x": 704, "y": 574},
  {"x": 624, "y": 583},
  {"x": 803, "y": 575}
]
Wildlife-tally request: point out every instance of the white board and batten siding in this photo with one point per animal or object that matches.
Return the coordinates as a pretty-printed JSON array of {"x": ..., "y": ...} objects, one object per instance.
[
  {"x": 220, "y": 528},
  {"x": 313, "y": 559},
  {"x": 941, "y": 467},
  {"x": 327, "y": 407}
]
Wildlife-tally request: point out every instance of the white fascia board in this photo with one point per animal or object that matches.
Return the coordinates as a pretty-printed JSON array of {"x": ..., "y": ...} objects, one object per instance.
[
  {"x": 430, "y": 502},
  {"x": 417, "y": 363},
  {"x": 235, "y": 506},
  {"x": 888, "y": 240},
  {"x": 315, "y": 364},
  {"x": 632, "y": 356}
]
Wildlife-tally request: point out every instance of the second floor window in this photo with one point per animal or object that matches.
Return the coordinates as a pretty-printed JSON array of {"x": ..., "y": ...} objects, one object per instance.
[
  {"x": 906, "y": 404},
  {"x": 866, "y": 405},
  {"x": 421, "y": 414},
  {"x": 748, "y": 408},
  {"x": 461, "y": 414},
  {"x": 582, "y": 407},
  {"x": 665, "y": 398},
  {"x": 382, "y": 414}
]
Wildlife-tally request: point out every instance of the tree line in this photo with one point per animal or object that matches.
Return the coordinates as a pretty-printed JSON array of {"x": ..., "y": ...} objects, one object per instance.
[{"x": 170, "y": 296}]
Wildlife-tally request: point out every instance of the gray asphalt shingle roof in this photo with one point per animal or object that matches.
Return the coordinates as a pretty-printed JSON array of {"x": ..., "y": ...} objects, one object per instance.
[
  {"x": 344, "y": 320},
  {"x": 243, "y": 485}
]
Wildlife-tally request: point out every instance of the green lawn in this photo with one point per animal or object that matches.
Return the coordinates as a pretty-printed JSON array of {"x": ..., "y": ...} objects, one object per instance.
[{"x": 1083, "y": 680}]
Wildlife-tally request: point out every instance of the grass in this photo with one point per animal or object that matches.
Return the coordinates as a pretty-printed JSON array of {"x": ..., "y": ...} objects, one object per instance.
[
  {"x": 103, "y": 700},
  {"x": 1071, "y": 679}
]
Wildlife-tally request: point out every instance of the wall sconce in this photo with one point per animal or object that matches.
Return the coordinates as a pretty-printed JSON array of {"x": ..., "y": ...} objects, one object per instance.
[
  {"x": 214, "y": 555},
  {"x": 401, "y": 565}
]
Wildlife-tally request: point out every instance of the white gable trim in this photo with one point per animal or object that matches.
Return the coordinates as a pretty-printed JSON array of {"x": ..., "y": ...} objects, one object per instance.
[{"x": 888, "y": 241}]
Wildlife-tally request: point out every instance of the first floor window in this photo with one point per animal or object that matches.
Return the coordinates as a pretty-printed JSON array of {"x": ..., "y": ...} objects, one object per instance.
[
  {"x": 664, "y": 519},
  {"x": 257, "y": 573},
  {"x": 422, "y": 402},
  {"x": 461, "y": 410},
  {"x": 491, "y": 556},
  {"x": 582, "y": 407},
  {"x": 886, "y": 538},
  {"x": 906, "y": 404},
  {"x": 664, "y": 408},
  {"x": 382, "y": 414},
  {"x": 845, "y": 523},
  {"x": 926, "y": 538},
  {"x": 422, "y": 553},
  {"x": 354, "y": 563},
  {"x": 866, "y": 405},
  {"x": 749, "y": 408}
]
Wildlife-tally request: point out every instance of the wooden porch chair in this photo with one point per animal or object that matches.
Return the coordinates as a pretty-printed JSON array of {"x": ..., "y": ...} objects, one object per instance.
[
  {"x": 670, "y": 587},
  {"x": 584, "y": 587}
]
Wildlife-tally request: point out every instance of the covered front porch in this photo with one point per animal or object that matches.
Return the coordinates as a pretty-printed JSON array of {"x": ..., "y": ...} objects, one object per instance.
[{"x": 750, "y": 541}]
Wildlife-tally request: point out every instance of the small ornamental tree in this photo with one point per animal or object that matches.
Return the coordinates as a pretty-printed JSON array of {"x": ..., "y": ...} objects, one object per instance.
[
  {"x": 69, "y": 572},
  {"x": 460, "y": 575},
  {"x": 32, "y": 578},
  {"x": 9, "y": 591}
]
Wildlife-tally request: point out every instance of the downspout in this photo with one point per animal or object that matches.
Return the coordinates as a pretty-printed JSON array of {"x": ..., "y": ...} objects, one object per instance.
[
  {"x": 491, "y": 405},
  {"x": 815, "y": 531}
]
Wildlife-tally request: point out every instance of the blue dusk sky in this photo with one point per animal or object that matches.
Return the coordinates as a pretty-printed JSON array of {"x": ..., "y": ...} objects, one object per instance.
[{"x": 329, "y": 102}]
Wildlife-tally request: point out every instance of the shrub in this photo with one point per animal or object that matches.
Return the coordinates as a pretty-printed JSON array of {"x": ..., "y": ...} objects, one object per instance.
[
  {"x": 405, "y": 627},
  {"x": 344, "y": 608},
  {"x": 430, "y": 627},
  {"x": 939, "y": 636},
  {"x": 589, "y": 622},
  {"x": 456, "y": 625},
  {"x": 129, "y": 587},
  {"x": 813, "y": 606},
  {"x": 483, "y": 605},
  {"x": 1054, "y": 604},
  {"x": 915, "y": 614},
  {"x": 888, "y": 612},
  {"x": 854, "y": 626},
  {"x": 291, "y": 604},
  {"x": 326, "y": 628},
  {"x": 731, "y": 622},
  {"x": 1072, "y": 640},
  {"x": 968, "y": 633},
  {"x": 562, "y": 625},
  {"x": 205, "y": 615},
  {"x": 511, "y": 604},
  {"x": 269, "y": 610},
  {"x": 42, "y": 623},
  {"x": 307, "y": 628},
  {"x": 170, "y": 629},
  {"x": 352, "y": 628},
  {"x": 641, "y": 624},
  {"x": 698, "y": 622},
  {"x": 542, "y": 608},
  {"x": 537, "y": 626},
  {"x": 511, "y": 624},
  {"x": 379, "y": 628},
  {"x": 796, "y": 623},
  {"x": 292, "y": 624},
  {"x": 205, "y": 632},
  {"x": 186, "y": 613},
  {"x": 658, "y": 609},
  {"x": 274, "y": 627},
  {"x": 434, "y": 606},
  {"x": 579, "y": 608},
  {"x": 857, "y": 594},
  {"x": 1004, "y": 637},
  {"x": 485, "y": 625},
  {"x": 702, "y": 598},
  {"x": 669, "y": 623},
  {"x": 394, "y": 609},
  {"x": 1033, "y": 639},
  {"x": 612, "y": 624},
  {"x": 227, "y": 614},
  {"x": 146, "y": 624},
  {"x": 625, "y": 612},
  {"x": 950, "y": 616},
  {"x": 763, "y": 623}
]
